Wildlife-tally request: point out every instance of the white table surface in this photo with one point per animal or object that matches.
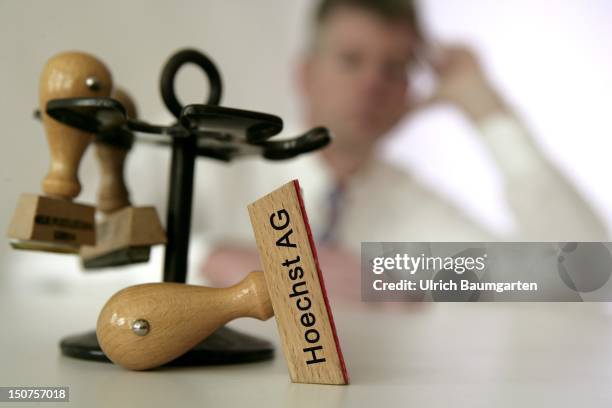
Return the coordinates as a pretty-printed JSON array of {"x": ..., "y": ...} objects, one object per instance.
[{"x": 473, "y": 355}]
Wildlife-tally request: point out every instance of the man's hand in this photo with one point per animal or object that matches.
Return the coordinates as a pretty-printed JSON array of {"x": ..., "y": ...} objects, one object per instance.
[
  {"x": 228, "y": 264},
  {"x": 461, "y": 81}
]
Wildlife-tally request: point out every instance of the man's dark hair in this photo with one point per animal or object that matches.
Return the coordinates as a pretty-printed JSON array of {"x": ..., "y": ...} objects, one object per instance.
[{"x": 391, "y": 10}]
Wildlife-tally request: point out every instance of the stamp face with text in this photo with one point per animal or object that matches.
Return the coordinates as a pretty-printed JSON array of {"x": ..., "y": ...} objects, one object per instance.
[{"x": 296, "y": 287}]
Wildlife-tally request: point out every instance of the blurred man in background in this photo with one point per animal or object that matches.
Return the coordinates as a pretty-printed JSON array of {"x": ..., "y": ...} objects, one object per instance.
[{"x": 355, "y": 80}]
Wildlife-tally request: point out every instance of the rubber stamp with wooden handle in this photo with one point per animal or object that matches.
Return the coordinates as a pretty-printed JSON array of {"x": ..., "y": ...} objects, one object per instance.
[
  {"x": 295, "y": 284},
  {"x": 54, "y": 222},
  {"x": 146, "y": 326},
  {"x": 126, "y": 233}
]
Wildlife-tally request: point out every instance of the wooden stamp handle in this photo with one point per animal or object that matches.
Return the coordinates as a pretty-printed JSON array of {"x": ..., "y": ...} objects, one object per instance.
[
  {"x": 69, "y": 75},
  {"x": 113, "y": 193},
  {"x": 146, "y": 326}
]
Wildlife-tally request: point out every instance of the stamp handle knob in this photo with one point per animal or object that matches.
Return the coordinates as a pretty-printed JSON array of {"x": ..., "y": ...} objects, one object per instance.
[
  {"x": 69, "y": 75},
  {"x": 113, "y": 193},
  {"x": 146, "y": 326}
]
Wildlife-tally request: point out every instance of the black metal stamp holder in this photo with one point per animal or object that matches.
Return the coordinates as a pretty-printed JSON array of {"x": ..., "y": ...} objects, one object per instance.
[{"x": 201, "y": 130}]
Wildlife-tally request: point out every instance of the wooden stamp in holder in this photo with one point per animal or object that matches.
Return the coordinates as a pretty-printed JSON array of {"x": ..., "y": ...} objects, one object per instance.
[
  {"x": 126, "y": 233},
  {"x": 146, "y": 326},
  {"x": 53, "y": 222}
]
